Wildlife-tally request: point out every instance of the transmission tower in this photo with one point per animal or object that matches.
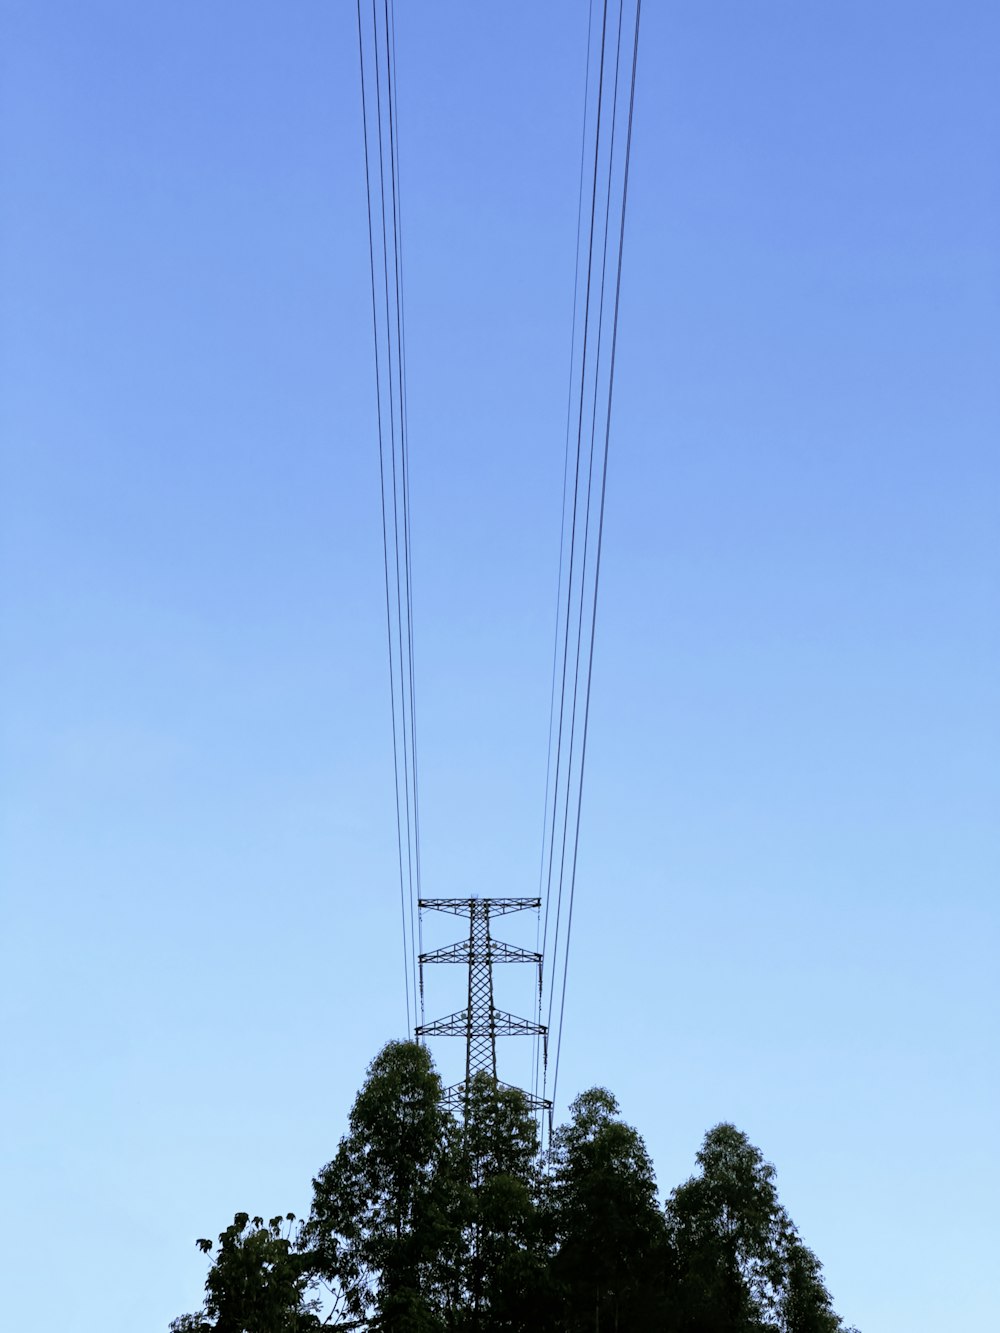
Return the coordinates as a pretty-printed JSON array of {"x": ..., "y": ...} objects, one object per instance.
[{"x": 481, "y": 1022}]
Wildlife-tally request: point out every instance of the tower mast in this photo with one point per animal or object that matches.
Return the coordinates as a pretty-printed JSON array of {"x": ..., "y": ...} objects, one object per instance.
[{"x": 481, "y": 1022}]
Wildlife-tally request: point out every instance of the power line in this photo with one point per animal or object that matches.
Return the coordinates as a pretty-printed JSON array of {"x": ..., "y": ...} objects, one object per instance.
[
  {"x": 409, "y": 733},
  {"x": 600, "y": 529},
  {"x": 560, "y": 795},
  {"x": 542, "y": 937},
  {"x": 379, "y": 119},
  {"x": 592, "y": 383},
  {"x": 404, "y": 416},
  {"x": 573, "y": 540},
  {"x": 593, "y": 346}
]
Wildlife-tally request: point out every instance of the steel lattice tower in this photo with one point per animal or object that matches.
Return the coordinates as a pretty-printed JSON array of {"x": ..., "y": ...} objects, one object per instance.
[{"x": 481, "y": 1022}]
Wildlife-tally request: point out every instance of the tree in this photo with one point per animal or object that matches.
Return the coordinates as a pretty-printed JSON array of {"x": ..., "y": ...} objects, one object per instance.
[
  {"x": 259, "y": 1282},
  {"x": 736, "y": 1262},
  {"x": 385, "y": 1227},
  {"x": 505, "y": 1250},
  {"x": 723, "y": 1226},
  {"x": 609, "y": 1229},
  {"x": 422, "y": 1224},
  {"x": 806, "y": 1306}
]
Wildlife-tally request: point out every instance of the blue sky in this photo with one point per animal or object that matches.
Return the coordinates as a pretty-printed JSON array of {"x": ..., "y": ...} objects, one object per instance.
[{"x": 786, "y": 910}]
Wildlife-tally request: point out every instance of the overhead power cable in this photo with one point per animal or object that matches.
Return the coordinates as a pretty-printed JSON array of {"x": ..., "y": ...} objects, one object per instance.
[
  {"x": 537, "y": 1070},
  {"x": 376, "y": 51},
  {"x": 610, "y": 107}
]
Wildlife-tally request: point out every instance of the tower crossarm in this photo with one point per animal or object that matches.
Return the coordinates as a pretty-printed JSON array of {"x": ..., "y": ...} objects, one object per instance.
[
  {"x": 463, "y": 952},
  {"x": 497, "y": 1023},
  {"x": 509, "y": 1025},
  {"x": 456, "y": 1097},
  {"x": 462, "y": 906},
  {"x": 455, "y": 1025}
]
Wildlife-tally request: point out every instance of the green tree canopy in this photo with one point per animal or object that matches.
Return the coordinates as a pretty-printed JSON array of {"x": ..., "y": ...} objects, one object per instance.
[
  {"x": 385, "y": 1227},
  {"x": 736, "y": 1263},
  {"x": 505, "y": 1250},
  {"x": 258, "y": 1282},
  {"x": 608, "y": 1226},
  {"x": 424, "y": 1223}
]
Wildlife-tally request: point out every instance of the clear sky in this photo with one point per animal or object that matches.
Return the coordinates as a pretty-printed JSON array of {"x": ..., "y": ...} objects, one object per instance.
[{"x": 786, "y": 906}]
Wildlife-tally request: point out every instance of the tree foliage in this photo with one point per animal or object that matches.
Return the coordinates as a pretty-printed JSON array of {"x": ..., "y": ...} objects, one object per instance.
[
  {"x": 609, "y": 1230},
  {"x": 424, "y": 1223},
  {"x": 385, "y": 1228},
  {"x": 736, "y": 1263},
  {"x": 259, "y": 1282},
  {"x": 505, "y": 1248}
]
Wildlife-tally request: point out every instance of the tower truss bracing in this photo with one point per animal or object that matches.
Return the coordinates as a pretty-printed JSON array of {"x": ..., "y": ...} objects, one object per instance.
[{"x": 481, "y": 1022}]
